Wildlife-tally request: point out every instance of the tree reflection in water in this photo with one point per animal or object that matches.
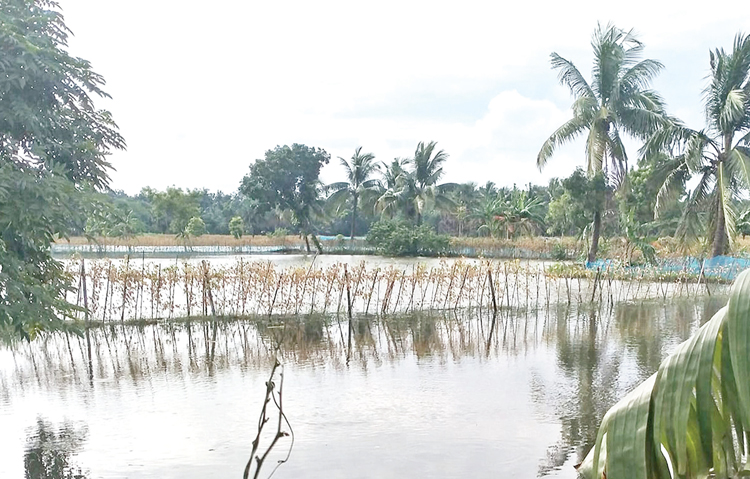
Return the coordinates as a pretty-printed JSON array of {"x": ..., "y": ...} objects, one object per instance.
[
  {"x": 599, "y": 352},
  {"x": 49, "y": 451},
  {"x": 603, "y": 355}
]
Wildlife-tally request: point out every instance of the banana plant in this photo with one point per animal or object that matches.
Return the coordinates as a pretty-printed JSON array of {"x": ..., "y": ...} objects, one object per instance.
[{"x": 691, "y": 418}]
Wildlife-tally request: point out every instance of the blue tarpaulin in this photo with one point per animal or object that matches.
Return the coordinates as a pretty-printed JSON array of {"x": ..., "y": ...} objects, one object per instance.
[{"x": 724, "y": 267}]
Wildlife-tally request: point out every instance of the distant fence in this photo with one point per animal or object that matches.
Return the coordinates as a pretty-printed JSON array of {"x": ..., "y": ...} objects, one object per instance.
[
  {"x": 120, "y": 250},
  {"x": 719, "y": 267}
]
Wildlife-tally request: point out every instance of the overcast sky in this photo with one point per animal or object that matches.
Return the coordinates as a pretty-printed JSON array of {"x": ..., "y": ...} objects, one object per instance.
[{"x": 202, "y": 89}]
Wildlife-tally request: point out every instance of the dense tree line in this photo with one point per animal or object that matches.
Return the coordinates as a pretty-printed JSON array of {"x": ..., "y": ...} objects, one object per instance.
[
  {"x": 282, "y": 191},
  {"x": 560, "y": 208}
]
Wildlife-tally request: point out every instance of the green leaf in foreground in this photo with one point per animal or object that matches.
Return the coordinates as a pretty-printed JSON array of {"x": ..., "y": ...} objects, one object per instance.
[{"x": 689, "y": 419}]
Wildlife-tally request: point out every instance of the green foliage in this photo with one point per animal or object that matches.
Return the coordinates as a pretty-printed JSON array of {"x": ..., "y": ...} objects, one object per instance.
[
  {"x": 719, "y": 155},
  {"x": 413, "y": 185},
  {"x": 616, "y": 102},
  {"x": 53, "y": 145},
  {"x": 568, "y": 214},
  {"x": 236, "y": 227},
  {"x": 358, "y": 186},
  {"x": 279, "y": 233},
  {"x": 288, "y": 179},
  {"x": 559, "y": 252},
  {"x": 109, "y": 221},
  {"x": 396, "y": 238},
  {"x": 195, "y": 227},
  {"x": 173, "y": 208},
  {"x": 692, "y": 416}
]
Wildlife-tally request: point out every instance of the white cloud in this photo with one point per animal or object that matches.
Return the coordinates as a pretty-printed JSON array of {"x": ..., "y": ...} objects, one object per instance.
[{"x": 201, "y": 90}]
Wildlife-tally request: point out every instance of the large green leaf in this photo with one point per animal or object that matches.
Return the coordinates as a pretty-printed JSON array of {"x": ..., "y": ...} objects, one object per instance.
[{"x": 689, "y": 419}]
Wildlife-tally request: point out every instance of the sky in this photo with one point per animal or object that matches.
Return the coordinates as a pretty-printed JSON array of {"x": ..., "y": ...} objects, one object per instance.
[{"x": 200, "y": 90}]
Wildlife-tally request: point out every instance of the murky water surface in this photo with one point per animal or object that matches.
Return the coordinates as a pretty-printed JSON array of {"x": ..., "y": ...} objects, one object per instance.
[{"x": 420, "y": 395}]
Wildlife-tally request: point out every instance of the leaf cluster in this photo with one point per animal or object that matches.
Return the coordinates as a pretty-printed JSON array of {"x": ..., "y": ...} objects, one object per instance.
[{"x": 397, "y": 238}]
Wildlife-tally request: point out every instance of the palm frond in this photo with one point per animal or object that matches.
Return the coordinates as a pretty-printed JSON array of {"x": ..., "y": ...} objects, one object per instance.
[
  {"x": 733, "y": 109},
  {"x": 690, "y": 227},
  {"x": 339, "y": 185},
  {"x": 565, "y": 134},
  {"x": 596, "y": 146},
  {"x": 570, "y": 76},
  {"x": 618, "y": 155},
  {"x": 639, "y": 76},
  {"x": 672, "y": 176},
  {"x": 738, "y": 164},
  {"x": 336, "y": 202},
  {"x": 724, "y": 199},
  {"x": 643, "y": 115}
]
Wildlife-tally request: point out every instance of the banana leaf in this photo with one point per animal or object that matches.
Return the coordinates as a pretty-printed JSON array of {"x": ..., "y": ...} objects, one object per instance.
[{"x": 688, "y": 420}]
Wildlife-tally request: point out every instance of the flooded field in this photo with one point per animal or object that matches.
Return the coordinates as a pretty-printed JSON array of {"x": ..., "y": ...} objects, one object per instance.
[
  {"x": 459, "y": 393},
  {"x": 293, "y": 285}
]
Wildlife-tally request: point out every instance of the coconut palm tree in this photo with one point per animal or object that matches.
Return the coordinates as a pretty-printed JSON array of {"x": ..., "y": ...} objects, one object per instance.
[
  {"x": 416, "y": 188},
  {"x": 392, "y": 171},
  {"x": 358, "y": 185},
  {"x": 616, "y": 101},
  {"x": 522, "y": 213},
  {"x": 465, "y": 198},
  {"x": 718, "y": 155}
]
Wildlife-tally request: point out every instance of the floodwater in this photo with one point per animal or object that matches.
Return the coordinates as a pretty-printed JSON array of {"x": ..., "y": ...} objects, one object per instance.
[{"x": 447, "y": 395}]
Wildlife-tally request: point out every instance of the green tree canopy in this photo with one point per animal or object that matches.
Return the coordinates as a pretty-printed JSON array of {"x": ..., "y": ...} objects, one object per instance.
[
  {"x": 172, "y": 209},
  {"x": 288, "y": 179},
  {"x": 236, "y": 227},
  {"x": 417, "y": 188},
  {"x": 53, "y": 144}
]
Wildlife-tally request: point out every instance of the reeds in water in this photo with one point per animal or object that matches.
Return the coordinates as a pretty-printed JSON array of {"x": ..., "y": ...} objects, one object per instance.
[{"x": 127, "y": 289}]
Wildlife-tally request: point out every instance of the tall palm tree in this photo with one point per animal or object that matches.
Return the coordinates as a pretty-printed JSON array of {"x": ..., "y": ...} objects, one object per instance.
[
  {"x": 417, "y": 187},
  {"x": 465, "y": 198},
  {"x": 392, "y": 171},
  {"x": 617, "y": 101},
  {"x": 358, "y": 172},
  {"x": 718, "y": 155}
]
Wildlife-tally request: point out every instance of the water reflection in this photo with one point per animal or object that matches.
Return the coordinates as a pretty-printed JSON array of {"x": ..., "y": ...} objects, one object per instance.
[
  {"x": 601, "y": 364},
  {"x": 598, "y": 353},
  {"x": 50, "y": 450}
]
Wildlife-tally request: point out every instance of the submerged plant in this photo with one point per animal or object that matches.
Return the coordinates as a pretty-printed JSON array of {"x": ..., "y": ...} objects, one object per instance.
[{"x": 690, "y": 419}]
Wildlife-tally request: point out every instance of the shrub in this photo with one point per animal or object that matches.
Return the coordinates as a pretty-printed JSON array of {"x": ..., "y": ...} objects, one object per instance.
[
  {"x": 559, "y": 252},
  {"x": 394, "y": 238},
  {"x": 278, "y": 233},
  {"x": 195, "y": 227},
  {"x": 236, "y": 227}
]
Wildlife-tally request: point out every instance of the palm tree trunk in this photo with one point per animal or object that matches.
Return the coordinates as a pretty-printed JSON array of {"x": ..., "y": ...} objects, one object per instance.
[
  {"x": 318, "y": 246},
  {"x": 419, "y": 218},
  {"x": 719, "y": 244},
  {"x": 595, "y": 235},
  {"x": 354, "y": 217},
  {"x": 307, "y": 243}
]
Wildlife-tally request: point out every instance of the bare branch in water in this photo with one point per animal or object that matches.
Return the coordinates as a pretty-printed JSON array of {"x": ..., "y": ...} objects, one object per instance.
[{"x": 276, "y": 397}]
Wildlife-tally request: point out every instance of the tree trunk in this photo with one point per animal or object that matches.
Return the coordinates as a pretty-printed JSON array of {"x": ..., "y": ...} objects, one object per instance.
[
  {"x": 307, "y": 243},
  {"x": 318, "y": 246},
  {"x": 354, "y": 217},
  {"x": 595, "y": 235},
  {"x": 419, "y": 218},
  {"x": 719, "y": 244}
]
